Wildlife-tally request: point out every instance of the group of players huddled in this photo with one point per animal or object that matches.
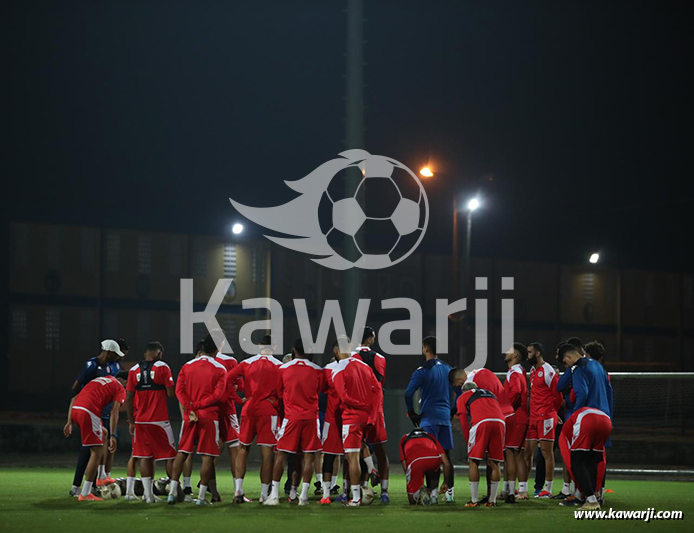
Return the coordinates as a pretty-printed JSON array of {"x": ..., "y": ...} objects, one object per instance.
[{"x": 281, "y": 411}]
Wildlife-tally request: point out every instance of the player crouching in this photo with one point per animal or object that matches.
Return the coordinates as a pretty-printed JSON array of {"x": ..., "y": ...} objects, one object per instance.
[
  {"x": 482, "y": 422},
  {"x": 85, "y": 409},
  {"x": 421, "y": 456}
]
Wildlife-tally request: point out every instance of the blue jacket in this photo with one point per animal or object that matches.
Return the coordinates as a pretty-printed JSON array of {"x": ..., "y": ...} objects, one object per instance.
[
  {"x": 591, "y": 386},
  {"x": 435, "y": 406},
  {"x": 564, "y": 386}
]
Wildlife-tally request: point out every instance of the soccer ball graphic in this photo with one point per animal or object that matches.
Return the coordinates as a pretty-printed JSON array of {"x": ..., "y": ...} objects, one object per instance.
[
  {"x": 347, "y": 204},
  {"x": 388, "y": 206}
]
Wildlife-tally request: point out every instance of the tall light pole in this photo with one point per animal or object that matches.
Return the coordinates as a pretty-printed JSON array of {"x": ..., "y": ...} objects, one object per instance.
[{"x": 460, "y": 264}]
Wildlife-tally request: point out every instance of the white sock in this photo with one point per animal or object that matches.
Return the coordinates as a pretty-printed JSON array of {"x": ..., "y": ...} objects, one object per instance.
[
  {"x": 87, "y": 488},
  {"x": 336, "y": 483},
  {"x": 130, "y": 485},
  {"x": 512, "y": 487},
  {"x": 474, "y": 491},
  {"x": 238, "y": 484},
  {"x": 292, "y": 493},
  {"x": 326, "y": 489},
  {"x": 147, "y": 486},
  {"x": 493, "y": 490},
  {"x": 566, "y": 489},
  {"x": 203, "y": 491},
  {"x": 451, "y": 491},
  {"x": 356, "y": 493},
  {"x": 573, "y": 486},
  {"x": 264, "y": 487},
  {"x": 74, "y": 488},
  {"x": 384, "y": 485},
  {"x": 548, "y": 486},
  {"x": 319, "y": 477},
  {"x": 592, "y": 499},
  {"x": 522, "y": 486},
  {"x": 275, "y": 490},
  {"x": 506, "y": 488},
  {"x": 304, "y": 491},
  {"x": 369, "y": 464},
  {"x": 577, "y": 494},
  {"x": 186, "y": 482},
  {"x": 435, "y": 492},
  {"x": 102, "y": 472},
  {"x": 173, "y": 491}
]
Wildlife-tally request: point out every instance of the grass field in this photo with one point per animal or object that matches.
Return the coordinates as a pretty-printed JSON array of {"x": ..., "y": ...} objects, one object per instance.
[{"x": 35, "y": 499}]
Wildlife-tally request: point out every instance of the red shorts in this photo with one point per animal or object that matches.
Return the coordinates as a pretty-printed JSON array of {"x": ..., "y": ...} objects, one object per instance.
[
  {"x": 352, "y": 435},
  {"x": 229, "y": 429},
  {"x": 376, "y": 434},
  {"x": 487, "y": 437},
  {"x": 417, "y": 470},
  {"x": 515, "y": 433},
  {"x": 204, "y": 432},
  {"x": 542, "y": 428},
  {"x": 591, "y": 428},
  {"x": 155, "y": 440},
  {"x": 331, "y": 439},
  {"x": 91, "y": 429},
  {"x": 299, "y": 436},
  {"x": 263, "y": 427}
]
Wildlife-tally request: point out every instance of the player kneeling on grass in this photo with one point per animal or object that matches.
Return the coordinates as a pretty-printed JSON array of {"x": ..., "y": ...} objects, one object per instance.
[
  {"x": 85, "y": 410},
  {"x": 482, "y": 422},
  {"x": 200, "y": 389},
  {"x": 421, "y": 456}
]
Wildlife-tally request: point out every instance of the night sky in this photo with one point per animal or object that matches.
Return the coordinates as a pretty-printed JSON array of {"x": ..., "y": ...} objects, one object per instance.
[{"x": 152, "y": 114}]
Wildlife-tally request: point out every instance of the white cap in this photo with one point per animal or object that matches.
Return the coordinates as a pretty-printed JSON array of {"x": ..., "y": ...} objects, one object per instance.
[{"x": 111, "y": 346}]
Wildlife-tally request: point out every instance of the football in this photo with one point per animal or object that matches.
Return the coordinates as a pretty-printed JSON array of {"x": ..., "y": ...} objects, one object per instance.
[
  {"x": 110, "y": 491},
  {"x": 367, "y": 496}
]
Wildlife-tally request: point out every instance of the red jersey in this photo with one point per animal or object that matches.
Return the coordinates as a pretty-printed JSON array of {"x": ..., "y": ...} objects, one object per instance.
[
  {"x": 333, "y": 411},
  {"x": 544, "y": 398},
  {"x": 149, "y": 401},
  {"x": 419, "y": 448},
  {"x": 233, "y": 385},
  {"x": 485, "y": 379},
  {"x": 359, "y": 391},
  {"x": 516, "y": 393},
  {"x": 476, "y": 405},
  {"x": 299, "y": 383},
  {"x": 379, "y": 361},
  {"x": 98, "y": 393},
  {"x": 260, "y": 374},
  {"x": 201, "y": 386}
]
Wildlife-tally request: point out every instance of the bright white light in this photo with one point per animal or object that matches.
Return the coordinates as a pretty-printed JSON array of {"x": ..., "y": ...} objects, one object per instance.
[
  {"x": 237, "y": 228},
  {"x": 594, "y": 258},
  {"x": 473, "y": 204},
  {"x": 426, "y": 172}
]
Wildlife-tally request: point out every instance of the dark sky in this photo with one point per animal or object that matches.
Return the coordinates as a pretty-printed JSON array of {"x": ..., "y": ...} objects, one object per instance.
[{"x": 152, "y": 114}]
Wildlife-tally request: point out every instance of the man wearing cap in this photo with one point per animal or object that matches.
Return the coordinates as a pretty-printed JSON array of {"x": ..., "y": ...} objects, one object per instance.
[{"x": 104, "y": 364}]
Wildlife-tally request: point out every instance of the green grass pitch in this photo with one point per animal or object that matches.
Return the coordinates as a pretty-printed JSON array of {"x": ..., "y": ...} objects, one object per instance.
[{"x": 35, "y": 499}]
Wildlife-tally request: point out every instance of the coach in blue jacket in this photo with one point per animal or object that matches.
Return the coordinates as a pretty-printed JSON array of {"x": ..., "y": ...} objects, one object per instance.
[{"x": 435, "y": 404}]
